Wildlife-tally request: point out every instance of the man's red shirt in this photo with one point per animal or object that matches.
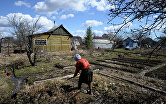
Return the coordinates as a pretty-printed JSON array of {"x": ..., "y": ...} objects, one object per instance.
[{"x": 81, "y": 65}]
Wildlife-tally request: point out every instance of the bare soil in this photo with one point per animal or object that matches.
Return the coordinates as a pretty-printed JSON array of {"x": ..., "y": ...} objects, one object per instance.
[
  {"x": 107, "y": 90},
  {"x": 158, "y": 73}
]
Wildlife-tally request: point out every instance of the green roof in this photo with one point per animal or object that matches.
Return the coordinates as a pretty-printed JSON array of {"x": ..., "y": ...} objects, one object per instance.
[{"x": 60, "y": 30}]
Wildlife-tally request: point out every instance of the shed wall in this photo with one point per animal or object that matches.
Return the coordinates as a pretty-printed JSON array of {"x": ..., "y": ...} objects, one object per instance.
[{"x": 54, "y": 43}]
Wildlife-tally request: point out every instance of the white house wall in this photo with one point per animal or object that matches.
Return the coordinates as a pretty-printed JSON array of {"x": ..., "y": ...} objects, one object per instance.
[
  {"x": 101, "y": 41},
  {"x": 101, "y": 45}
]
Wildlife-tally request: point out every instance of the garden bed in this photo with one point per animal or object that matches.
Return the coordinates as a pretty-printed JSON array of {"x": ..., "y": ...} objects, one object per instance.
[{"x": 158, "y": 73}]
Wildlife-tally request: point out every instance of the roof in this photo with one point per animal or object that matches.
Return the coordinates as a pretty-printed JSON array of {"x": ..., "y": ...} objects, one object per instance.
[
  {"x": 97, "y": 37},
  {"x": 76, "y": 37},
  {"x": 60, "y": 30},
  {"x": 131, "y": 39}
]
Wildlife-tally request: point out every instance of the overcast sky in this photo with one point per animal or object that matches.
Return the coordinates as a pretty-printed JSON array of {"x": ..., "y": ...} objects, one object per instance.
[{"x": 75, "y": 15}]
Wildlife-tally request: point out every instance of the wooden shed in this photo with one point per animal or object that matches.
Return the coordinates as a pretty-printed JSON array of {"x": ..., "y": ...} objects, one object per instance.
[{"x": 54, "y": 40}]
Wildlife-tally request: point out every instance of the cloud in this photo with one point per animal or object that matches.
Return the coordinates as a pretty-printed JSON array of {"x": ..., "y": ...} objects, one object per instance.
[
  {"x": 67, "y": 16},
  {"x": 5, "y": 34},
  {"x": 44, "y": 21},
  {"x": 92, "y": 23},
  {"x": 98, "y": 32},
  {"x": 50, "y": 7},
  {"x": 3, "y": 29},
  {"x": 53, "y": 17},
  {"x": 80, "y": 33},
  {"x": 155, "y": 16},
  {"x": 117, "y": 27},
  {"x": 3, "y": 22},
  {"x": 20, "y": 3},
  {"x": 101, "y": 5}
]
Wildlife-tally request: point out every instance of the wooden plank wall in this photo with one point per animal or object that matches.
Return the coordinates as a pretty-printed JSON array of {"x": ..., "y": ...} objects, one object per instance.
[{"x": 55, "y": 43}]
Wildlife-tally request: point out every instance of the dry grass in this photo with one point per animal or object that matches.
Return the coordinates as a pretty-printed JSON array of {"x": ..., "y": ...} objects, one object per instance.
[
  {"x": 115, "y": 91},
  {"x": 5, "y": 86},
  {"x": 51, "y": 92},
  {"x": 111, "y": 90}
]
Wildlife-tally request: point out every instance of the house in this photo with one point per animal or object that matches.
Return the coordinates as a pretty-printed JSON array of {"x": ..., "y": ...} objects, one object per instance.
[
  {"x": 54, "y": 40},
  {"x": 130, "y": 43},
  {"x": 99, "y": 42},
  {"x": 76, "y": 42}
]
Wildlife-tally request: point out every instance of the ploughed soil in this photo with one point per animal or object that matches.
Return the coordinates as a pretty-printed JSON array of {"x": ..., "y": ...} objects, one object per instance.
[
  {"x": 158, "y": 73},
  {"x": 106, "y": 90}
]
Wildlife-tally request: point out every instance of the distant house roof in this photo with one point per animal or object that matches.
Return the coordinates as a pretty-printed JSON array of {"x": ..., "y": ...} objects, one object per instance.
[
  {"x": 131, "y": 39},
  {"x": 97, "y": 37},
  {"x": 60, "y": 30},
  {"x": 76, "y": 37}
]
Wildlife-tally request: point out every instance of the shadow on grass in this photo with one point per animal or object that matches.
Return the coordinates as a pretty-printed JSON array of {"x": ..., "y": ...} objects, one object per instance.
[{"x": 68, "y": 88}]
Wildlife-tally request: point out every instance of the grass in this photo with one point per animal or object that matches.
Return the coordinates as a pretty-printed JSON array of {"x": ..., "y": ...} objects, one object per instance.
[
  {"x": 44, "y": 67},
  {"x": 108, "y": 88},
  {"x": 6, "y": 86},
  {"x": 123, "y": 50}
]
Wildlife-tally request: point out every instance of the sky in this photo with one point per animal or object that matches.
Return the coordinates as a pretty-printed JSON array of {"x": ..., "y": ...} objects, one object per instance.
[{"x": 74, "y": 15}]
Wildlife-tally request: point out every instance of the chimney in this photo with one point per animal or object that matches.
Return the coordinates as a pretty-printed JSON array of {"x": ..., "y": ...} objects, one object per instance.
[{"x": 55, "y": 24}]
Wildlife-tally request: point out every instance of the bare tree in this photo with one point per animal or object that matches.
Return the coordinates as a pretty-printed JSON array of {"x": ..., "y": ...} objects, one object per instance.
[
  {"x": 116, "y": 39},
  {"x": 153, "y": 11},
  {"x": 161, "y": 43},
  {"x": 139, "y": 35},
  {"x": 22, "y": 28}
]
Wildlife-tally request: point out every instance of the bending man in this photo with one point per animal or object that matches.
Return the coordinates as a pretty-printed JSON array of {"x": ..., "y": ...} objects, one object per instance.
[{"x": 86, "y": 75}]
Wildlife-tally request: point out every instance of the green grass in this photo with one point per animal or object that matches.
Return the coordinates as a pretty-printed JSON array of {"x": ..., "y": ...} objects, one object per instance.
[
  {"x": 42, "y": 67},
  {"x": 40, "y": 60},
  {"x": 124, "y": 50}
]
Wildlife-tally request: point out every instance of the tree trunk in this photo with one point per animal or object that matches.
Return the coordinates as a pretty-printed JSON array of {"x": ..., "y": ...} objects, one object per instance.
[
  {"x": 20, "y": 48},
  {"x": 30, "y": 59},
  {"x": 160, "y": 44},
  {"x": 29, "y": 52}
]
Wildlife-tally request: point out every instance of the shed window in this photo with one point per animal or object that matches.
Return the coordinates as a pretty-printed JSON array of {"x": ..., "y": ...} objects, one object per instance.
[{"x": 40, "y": 42}]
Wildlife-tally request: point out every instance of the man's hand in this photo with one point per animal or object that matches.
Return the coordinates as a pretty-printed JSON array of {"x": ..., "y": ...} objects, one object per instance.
[{"x": 75, "y": 75}]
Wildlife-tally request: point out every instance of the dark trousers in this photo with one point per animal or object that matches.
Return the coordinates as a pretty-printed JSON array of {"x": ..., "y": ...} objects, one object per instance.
[{"x": 85, "y": 77}]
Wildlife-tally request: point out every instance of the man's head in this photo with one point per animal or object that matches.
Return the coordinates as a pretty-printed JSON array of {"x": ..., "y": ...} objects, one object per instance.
[{"x": 77, "y": 57}]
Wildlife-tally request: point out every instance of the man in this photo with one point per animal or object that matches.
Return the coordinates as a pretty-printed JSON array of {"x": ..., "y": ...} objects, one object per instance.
[{"x": 86, "y": 75}]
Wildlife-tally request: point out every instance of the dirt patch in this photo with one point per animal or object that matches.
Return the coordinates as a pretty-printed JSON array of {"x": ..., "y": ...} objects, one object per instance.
[
  {"x": 117, "y": 67},
  {"x": 106, "y": 90},
  {"x": 138, "y": 61},
  {"x": 114, "y": 91},
  {"x": 56, "y": 92},
  {"x": 123, "y": 63},
  {"x": 158, "y": 73}
]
